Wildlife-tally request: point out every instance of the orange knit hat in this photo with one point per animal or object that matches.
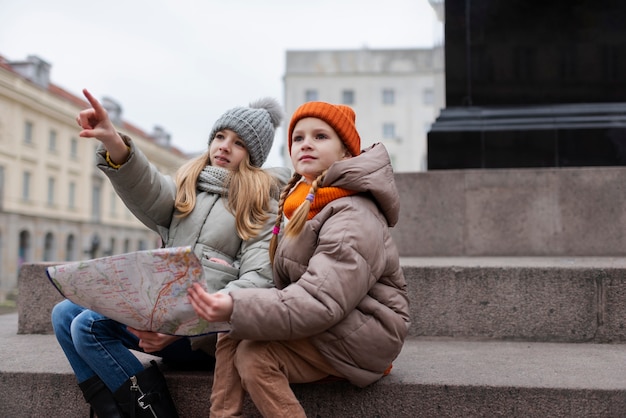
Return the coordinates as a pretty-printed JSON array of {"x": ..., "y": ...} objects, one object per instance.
[{"x": 341, "y": 118}]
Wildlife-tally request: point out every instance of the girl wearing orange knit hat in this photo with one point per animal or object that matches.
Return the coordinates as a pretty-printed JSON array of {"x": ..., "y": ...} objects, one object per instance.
[{"x": 340, "y": 308}]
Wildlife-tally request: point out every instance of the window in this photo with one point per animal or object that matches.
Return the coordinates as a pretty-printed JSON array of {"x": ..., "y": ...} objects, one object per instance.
[
  {"x": 428, "y": 96},
  {"x": 52, "y": 141},
  {"x": 24, "y": 249},
  {"x": 48, "y": 247},
  {"x": 389, "y": 96},
  {"x": 28, "y": 132},
  {"x": 310, "y": 95},
  {"x": 111, "y": 249},
  {"x": 389, "y": 131},
  {"x": 26, "y": 185},
  {"x": 94, "y": 246},
  {"x": 95, "y": 202},
  {"x": 71, "y": 196},
  {"x": 70, "y": 248},
  {"x": 347, "y": 97},
  {"x": 73, "y": 148},
  {"x": 50, "y": 191}
]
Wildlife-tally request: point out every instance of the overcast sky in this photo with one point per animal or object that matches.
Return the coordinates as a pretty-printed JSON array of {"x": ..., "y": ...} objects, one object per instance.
[{"x": 180, "y": 64}]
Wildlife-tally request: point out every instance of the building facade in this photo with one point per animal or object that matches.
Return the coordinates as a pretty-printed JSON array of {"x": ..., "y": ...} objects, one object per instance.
[
  {"x": 396, "y": 94},
  {"x": 55, "y": 205}
]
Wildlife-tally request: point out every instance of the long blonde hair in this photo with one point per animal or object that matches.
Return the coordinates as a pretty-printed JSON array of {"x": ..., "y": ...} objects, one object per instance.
[
  {"x": 299, "y": 218},
  {"x": 249, "y": 193}
]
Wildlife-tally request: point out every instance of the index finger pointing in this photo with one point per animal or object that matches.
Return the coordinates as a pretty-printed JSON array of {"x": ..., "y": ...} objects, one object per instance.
[{"x": 93, "y": 102}]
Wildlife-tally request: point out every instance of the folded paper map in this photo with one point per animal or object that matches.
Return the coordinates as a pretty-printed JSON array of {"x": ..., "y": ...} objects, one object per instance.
[{"x": 146, "y": 290}]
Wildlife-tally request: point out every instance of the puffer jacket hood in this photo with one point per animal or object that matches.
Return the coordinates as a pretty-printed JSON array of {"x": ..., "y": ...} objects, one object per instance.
[{"x": 370, "y": 172}]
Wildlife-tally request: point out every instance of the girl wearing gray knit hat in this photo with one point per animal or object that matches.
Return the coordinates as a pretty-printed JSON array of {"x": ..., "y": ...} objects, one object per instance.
[{"x": 221, "y": 204}]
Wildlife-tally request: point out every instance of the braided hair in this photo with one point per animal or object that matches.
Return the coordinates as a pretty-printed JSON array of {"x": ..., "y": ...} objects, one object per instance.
[{"x": 299, "y": 218}]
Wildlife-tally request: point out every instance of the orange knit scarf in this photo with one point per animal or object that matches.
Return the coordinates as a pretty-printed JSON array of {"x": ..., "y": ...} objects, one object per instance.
[{"x": 323, "y": 196}]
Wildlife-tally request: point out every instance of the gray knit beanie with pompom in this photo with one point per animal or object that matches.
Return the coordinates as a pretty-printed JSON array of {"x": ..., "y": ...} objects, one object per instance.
[{"x": 255, "y": 125}]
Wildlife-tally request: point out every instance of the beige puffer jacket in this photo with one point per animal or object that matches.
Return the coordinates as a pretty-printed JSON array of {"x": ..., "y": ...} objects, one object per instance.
[{"x": 339, "y": 282}]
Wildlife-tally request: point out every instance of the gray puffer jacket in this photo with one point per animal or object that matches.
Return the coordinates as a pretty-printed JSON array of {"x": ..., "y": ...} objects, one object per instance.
[
  {"x": 209, "y": 229},
  {"x": 339, "y": 282}
]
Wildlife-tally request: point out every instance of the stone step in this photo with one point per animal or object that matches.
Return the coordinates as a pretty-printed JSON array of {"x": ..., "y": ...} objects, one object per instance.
[
  {"x": 578, "y": 299},
  {"x": 564, "y": 211},
  {"x": 573, "y": 299},
  {"x": 432, "y": 377}
]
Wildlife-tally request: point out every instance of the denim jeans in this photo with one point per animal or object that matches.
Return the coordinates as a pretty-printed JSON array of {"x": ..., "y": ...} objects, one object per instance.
[{"x": 95, "y": 344}]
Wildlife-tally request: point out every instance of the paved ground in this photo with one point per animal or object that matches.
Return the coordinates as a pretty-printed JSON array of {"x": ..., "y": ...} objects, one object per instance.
[{"x": 423, "y": 360}]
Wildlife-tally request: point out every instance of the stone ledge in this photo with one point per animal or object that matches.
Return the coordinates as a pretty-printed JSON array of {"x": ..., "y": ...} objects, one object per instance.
[
  {"x": 533, "y": 299},
  {"x": 431, "y": 378}
]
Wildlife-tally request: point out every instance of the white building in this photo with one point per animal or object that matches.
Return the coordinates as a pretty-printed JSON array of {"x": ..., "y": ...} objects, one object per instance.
[
  {"x": 55, "y": 205},
  {"x": 396, "y": 94}
]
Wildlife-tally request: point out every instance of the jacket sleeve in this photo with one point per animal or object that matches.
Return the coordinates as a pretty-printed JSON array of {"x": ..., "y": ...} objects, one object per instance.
[
  {"x": 338, "y": 276},
  {"x": 147, "y": 193}
]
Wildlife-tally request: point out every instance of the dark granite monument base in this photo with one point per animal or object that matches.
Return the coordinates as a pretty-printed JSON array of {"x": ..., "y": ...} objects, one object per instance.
[
  {"x": 570, "y": 135},
  {"x": 532, "y": 83}
]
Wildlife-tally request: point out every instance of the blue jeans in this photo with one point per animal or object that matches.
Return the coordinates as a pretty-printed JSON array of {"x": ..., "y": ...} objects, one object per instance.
[{"x": 95, "y": 344}]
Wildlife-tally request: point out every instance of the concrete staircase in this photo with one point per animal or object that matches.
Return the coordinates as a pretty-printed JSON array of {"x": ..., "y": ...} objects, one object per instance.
[{"x": 491, "y": 337}]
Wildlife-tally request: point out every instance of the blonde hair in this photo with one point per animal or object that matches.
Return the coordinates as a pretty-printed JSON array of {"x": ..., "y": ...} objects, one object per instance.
[
  {"x": 299, "y": 218},
  {"x": 249, "y": 193}
]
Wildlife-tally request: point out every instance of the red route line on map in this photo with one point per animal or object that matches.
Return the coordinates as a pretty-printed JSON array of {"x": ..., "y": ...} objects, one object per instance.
[{"x": 165, "y": 287}]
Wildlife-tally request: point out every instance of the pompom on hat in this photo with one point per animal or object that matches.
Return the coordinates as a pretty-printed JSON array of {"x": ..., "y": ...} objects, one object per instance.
[
  {"x": 255, "y": 125},
  {"x": 340, "y": 117}
]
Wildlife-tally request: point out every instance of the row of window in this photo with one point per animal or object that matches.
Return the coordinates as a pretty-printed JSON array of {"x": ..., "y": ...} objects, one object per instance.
[
  {"x": 50, "y": 199},
  {"x": 389, "y": 131},
  {"x": 72, "y": 252},
  {"x": 51, "y": 183},
  {"x": 29, "y": 135},
  {"x": 388, "y": 96},
  {"x": 96, "y": 194}
]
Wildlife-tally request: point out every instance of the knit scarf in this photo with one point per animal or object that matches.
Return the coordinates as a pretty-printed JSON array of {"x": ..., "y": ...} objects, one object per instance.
[
  {"x": 214, "y": 180},
  {"x": 323, "y": 196}
]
